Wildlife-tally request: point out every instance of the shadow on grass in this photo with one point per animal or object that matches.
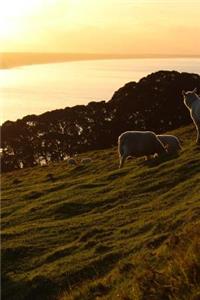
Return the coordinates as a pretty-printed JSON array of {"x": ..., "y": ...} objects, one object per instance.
[
  {"x": 71, "y": 209},
  {"x": 90, "y": 234},
  {"x": 33, "y": 195},
  {"x": 16, "y": 181},
  {"x": 159, "y": 160},
  {"x": 40, "y": 288},
  {"x": 97, "y": 268},
  {"x": 60, "y": 253}
]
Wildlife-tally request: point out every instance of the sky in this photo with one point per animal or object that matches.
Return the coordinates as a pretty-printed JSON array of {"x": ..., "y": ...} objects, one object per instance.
[{"x": 101, "y": 26}]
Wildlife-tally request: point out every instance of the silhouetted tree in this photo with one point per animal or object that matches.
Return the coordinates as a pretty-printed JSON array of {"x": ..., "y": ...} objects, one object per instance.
[{"x": 154, "y": 103}]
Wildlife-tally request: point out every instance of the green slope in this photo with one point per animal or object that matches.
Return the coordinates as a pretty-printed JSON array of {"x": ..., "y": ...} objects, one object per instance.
[{"x": 97, "y": 232}]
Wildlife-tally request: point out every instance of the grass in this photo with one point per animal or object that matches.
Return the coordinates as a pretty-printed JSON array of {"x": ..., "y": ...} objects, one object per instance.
[{"x": 97, "y": 232}]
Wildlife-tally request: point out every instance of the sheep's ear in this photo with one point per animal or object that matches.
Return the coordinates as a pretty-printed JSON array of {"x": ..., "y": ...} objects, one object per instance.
[
  {"x": 195, "y": 90},
  {"x": 183, "y": 93}
]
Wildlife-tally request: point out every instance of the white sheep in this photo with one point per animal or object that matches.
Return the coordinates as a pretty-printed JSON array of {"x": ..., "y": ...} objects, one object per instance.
[
  {"x": 171, "y": 143},
  {"x": 42, "y": 161},
  {"x": 139, "y": 143},
  {"x": 192, "y": 101},
  {"x": 86, "y": 160}
]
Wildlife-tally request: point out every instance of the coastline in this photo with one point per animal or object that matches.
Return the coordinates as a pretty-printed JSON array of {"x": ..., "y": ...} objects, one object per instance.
[{"x": 12, "y": 60}]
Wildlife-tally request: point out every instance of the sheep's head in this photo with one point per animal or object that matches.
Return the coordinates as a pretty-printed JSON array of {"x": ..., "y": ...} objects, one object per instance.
[{"x": 190, "y": 97}]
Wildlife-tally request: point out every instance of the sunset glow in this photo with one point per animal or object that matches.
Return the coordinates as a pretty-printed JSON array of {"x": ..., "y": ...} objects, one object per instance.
[
  {"x": 13, "y": 16},
  {"x": 115, "y": 26}
]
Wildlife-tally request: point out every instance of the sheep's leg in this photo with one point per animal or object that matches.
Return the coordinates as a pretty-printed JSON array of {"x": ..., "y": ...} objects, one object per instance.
[
  {"x": 198, "y": 134},
  {"x": 197, "y": 125},
  {"x": 122, "y": 155},
  {"x": 122, "y": 160}
]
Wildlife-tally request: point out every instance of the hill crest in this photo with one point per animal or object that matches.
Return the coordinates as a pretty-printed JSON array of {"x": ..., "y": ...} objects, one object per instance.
[{"x": 81, "y": 128}]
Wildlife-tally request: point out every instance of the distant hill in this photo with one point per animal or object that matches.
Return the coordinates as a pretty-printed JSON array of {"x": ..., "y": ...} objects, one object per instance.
[
  {"x": 10, "y": 60},
  {"x": 154, "y": 103},
  {"x": 16, "y": 59},
  {"x": 97, "y": 232}
]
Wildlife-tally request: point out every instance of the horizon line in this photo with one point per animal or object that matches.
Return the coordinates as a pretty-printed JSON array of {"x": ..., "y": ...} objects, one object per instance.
[
  {"x": 9, "y": 60},
  {"x": 102, "y": 53}
]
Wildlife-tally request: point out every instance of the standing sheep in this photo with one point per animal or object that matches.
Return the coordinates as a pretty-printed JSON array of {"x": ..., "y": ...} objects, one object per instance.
[
  {"x": 171, "y": 143},
  {"x": 192, "y": 101},
  {"x": 138, "y": 143}
]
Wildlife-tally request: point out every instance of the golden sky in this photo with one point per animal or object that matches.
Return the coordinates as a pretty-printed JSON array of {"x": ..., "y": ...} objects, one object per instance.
[{"x": 101, "y": 26}]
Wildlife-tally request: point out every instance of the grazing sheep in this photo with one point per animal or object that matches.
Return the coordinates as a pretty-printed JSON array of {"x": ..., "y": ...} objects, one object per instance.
[
  {"x": 138, "y": 143},
  {"x": 192, "y": 101},
  {"x": 86, "y": 160},
  {"x": 171, "y": 143},
  {"x": 71, "y": 161}
]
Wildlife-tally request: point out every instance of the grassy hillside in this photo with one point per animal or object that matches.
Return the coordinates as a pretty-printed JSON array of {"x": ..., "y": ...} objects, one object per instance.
[{"x": 97, "y": 232}]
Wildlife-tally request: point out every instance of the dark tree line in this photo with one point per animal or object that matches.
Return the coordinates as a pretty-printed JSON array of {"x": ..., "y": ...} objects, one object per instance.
[{"x": 154, "y": 103}]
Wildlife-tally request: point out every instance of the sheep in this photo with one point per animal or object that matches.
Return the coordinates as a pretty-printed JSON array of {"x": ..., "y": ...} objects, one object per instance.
[
  {"x": 192, "y": 102},
  {"x": 43, "y": 163},
  {"x": 86, "y": 160},
  {"x": 139, "y": 143},
  {"x": 71, "y": 161},
  {"x": 171, "y": 143}
]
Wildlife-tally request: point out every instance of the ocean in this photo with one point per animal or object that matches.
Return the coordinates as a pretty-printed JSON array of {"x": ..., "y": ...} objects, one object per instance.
[{"x": 35, "y": 89}]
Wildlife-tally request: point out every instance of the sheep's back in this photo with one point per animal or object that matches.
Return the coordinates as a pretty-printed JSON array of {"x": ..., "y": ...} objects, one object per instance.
[{"x": 139, "y": 142}]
